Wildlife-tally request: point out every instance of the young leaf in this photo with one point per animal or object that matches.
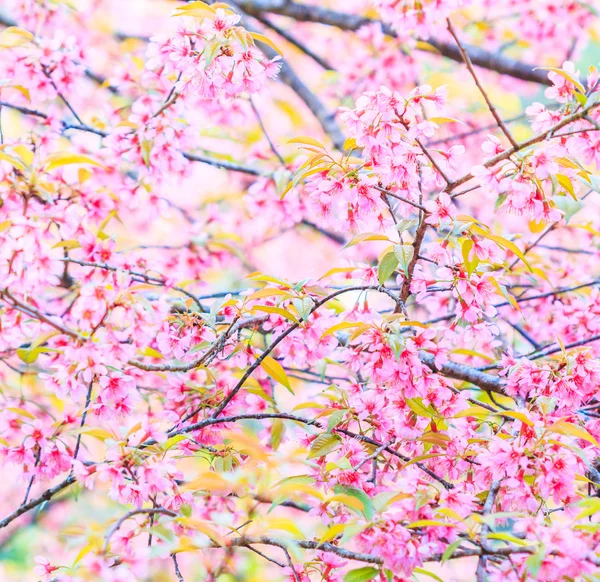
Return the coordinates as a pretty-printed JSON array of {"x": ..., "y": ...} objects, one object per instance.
[
  {"x": 266, "y": 40},
  {"x": 66, "y": 158},
  {"x": 427, "y": 573},
  {"x": 323, "y": 445},
  {"x": 306, "y": 140},
  {"x": 368, "y": 509},
  {"x": 335, "y": 418},
  {"x": 366, "y": 236},
  {"x": 196, "y": 10},
  {"x": 342, "y": 326},
  {"x": 404, "y": 254},
  {"x": 450, "y": 550},
  {"x": 274, "y": 369},
  {"x": 361, "y": 574},
  {"x": 387, "y": 266},
  {"x": 570, "y": 429}
]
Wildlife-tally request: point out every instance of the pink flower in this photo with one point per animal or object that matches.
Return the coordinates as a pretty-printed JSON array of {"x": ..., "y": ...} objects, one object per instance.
[
  {"x": 439, "y": 211},
  {"x": 44, "y": 568}
]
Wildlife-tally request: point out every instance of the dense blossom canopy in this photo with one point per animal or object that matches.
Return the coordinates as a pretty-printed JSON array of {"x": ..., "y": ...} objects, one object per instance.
[{"x": 299, "y": 291}]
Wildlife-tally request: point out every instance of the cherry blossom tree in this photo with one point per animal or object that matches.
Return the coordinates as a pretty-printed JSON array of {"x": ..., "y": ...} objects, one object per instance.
[{"x": 301, "y": 291}]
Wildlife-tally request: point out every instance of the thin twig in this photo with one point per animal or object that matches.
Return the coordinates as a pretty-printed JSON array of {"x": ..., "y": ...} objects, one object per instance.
[
  {"x": 177, "y": 570},
  {"x": 264, "y": 131},
  {"x": 488, "y": 102},
  {"x": 132, "y": 513}
]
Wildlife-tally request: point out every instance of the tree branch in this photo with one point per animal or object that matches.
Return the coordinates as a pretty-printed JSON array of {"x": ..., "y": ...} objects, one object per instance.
[
  {"x": 45, "y": 496},
  {"x": 345, "y": 21}
]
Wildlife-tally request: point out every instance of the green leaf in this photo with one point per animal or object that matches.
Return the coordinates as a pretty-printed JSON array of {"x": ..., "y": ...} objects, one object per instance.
[
  {"x": 324, "y": 444},
  {"x": 361, "y": 574},
  {"x": 352, "y": 531},
  {"x": 306, "y": 140},
  {"x": 471, "y": 265},
  {"x": 569, "y": 206},
  {"x": 365, "y": 236},
  {"x": 333, "y": 531},
  {"x": 506, "y": 537},
  {"x": 427, "y": 573},
  {"x": 535, "y": 561},
  {"x": 210, "y": 52},
  {"x": 406, "y": 224},
  {"x": 504, "y": 243},
  {"x": 417, "y": 406},
  {"x": 450, "y": 550},
  {"x": 404, "y": 254},
  {"x": 83, "y": 553},
  {"x": 304, "y": 307},
  {"x": 335, "y": 418},
  {"x": 368, "y": 509},
  {"x": 566, "y": 183},
  {"x": 386, "y": 267},
  {"x": 439, "y": 120},
  {"x": 173, "y": 441},
  {"x": 591, "y": 506},
  {"x": 146, "y": 147},
  {"x": 344, "y": 325},
  {"x": 567, "y": 76},
  {"x": 29, "y": 356},
  {"x": 265, "y": 40}
]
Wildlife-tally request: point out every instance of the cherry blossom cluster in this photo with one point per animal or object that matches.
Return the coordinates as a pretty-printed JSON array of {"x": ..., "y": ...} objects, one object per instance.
[
  {"x": 213, "y": 57},
  {"x": 335, "y": 321}
]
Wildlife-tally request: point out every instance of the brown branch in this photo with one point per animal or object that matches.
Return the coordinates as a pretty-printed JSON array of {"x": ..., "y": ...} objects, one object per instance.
[
  {"x": 338, "y": 238},
  {"x": 215, "y": 162},
  {"x": 433, "y": 162},
  {"x": 264, "y": 131},
  {"x": 419, "y": 237},
  {"x": 401, "y": 198},
  {"x": 524, "y": 299},
  {"x": 548, "y": 352},
  {"x": 143, "y": 276},
  {"x": 487, "y": 509},
  {"x": 86, "y": 406}
]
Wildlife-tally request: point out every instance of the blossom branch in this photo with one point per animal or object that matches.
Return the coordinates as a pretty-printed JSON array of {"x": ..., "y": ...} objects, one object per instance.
[
  {"x": 209, "y": 355},
  {"x": 387, "y": 449},
  {"x": 525, "y": 144},
  {"x": 293, "y": 328}
]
